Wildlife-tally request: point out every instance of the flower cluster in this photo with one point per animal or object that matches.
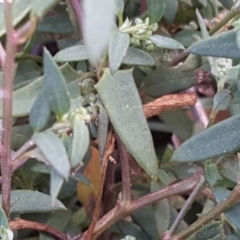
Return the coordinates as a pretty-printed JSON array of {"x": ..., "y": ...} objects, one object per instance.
[
  {"x": 221, "y": 66},
  {"x": 140, "y": 32}
]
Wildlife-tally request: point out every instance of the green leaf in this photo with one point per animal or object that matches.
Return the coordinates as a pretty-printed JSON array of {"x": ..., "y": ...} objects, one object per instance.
[
  {"x": 171, "y": 11},
  {"x": 20, "y": 10},
  {"x": 99, "y": 21},
  {"x": 156, "y": 9},
  {"x": 229, "y": 168},
  {"x": 161, "y": 211},
  {"x": 122, "y": 102},
  {"x": 27, "y": 71},
  {"x": 43, "y": 168},
  {"x": 233, "y": 213},
  {"x": 167, "y": 80},
  {"x": 117, "y": 49},
  {"x": 3, "y": 218},
  {"x": 166, "y": 42},
  {"x": 57, "y": 220},
  {"x": 55, "y": 87},
  {"x": 185, "y": 37},
  {"x": 72, "y": 54},
  {"x": 40, "y": 8},
  {"x": 209, "y": 231},
  {"x": 40, "y": 113},
  {"x": 138, "y": 57},
  {"x": 222, "y": 100},
  {"x": 223, "y": 45},
  {"x": 148, "y": 226},
  {"x": 54, "y": 151},
  {"x": 80, "y": 142},
  {"x": 179, "y": 122},
  {"x": 128, "y": 228},
  {"x": 220, "y": 139},
  {"x": 227, "y": 3},
  {"x": 29, "y": 201},
  {"x": 55, "y": 184},
  {"x": 212, "y": 174},
  {"x": 56, "y": 24}
]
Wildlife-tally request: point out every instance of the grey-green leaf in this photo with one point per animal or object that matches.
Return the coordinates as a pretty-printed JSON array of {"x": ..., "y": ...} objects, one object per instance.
[
  {"x": 55, "y": 87},
  {"x": 220, "y": 139},
  {"x": 29, "y": 201},
  {"x": 20, "y": 9},
  {"x": 223, "y": 45},
  {"x": 156, "y": 9},
  {"x": 56, "y": 183},
  {"x": 121, "y": 99},
  {"x": 167, "y": 80},
  {"x": 97, "y": 26},
  {"x": 117, "y": 49},
  {"x": 40, "y": 7},
  {"x": 72, "y": 54},
  {"x": 171, "y": 11},
  {"x": 222, "y": 100},
  {"x": 57, "y": 220},
  {"x": 3, "y": 218},
  {"x": 40, "y": 113},
  {"x": 56, "y": 24},
  {"x": 80, "y": 142},
  {"x": 54, "y": 151},
  {"x": 137, "y": 57},
  {"x": 119, "y": 6},
  {"x": 166, "y": 42}
]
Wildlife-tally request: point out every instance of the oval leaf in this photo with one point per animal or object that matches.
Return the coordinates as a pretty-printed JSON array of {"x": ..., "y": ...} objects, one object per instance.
[
  {"x": 156, "y": 9},
  {"x": 223, "y": 45},
  {"x": 40, "y": 7},
  {"x": 72, "y": 54},
  {"x": 40, "y": 113},
  {"x": 138, "y": 57},
  {"x": 80, "y": 142},
  {"x": 167, "y": 80},
  {"x": 122, "y": 102},
  {"x": 166, "y": 42},
  {"x": 118, "y": 46},
  {"x": 220, "y": 139},
  {"x": 97, "y": 26},
  {"x": 29, "y": 201},
  {"x": 55, "y": 86},
  {"x": 54, "y": 151},
  {"x": 55, "y": 184}
]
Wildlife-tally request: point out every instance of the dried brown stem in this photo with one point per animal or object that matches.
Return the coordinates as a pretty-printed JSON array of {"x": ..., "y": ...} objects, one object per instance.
[
  {"x": 185, "y": 208},
  {"x": 120, "y": 211},
  {"x": 23, "y": 224},
  {"x": 108, "y": 152},
  {"x": 125, "y": 171},
  {"x": 216, "y": 211},
  {"x": 168, "y": 102}
]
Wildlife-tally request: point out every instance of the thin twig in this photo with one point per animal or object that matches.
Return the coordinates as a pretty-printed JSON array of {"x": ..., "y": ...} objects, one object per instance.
[
  {"x": 125, "y": 171},
  {"x": 8, "y": 78},
  {"x": 212, "y": 214},
  {"x": 120, "y": 211},
  {"x": 23, "y": 224},
  {"x": 168, "y": 235}
]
